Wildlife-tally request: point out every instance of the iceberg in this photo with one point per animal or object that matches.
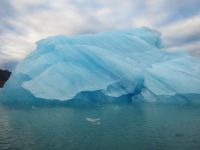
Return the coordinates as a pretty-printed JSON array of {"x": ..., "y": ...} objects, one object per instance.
[{"x": 120, "y": 65}]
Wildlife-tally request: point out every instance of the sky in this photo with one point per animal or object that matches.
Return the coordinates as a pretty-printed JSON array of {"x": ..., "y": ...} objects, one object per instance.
[{"x": 24, "y": 22}]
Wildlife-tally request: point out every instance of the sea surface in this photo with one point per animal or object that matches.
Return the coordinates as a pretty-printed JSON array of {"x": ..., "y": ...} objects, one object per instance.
[{"x": 140, "y": 126}]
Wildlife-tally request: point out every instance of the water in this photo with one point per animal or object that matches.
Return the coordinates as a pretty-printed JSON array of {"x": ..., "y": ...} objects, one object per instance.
[{"x": 147, "y": 126}]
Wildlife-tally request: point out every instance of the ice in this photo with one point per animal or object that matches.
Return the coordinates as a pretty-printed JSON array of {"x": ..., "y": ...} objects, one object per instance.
[
  {"x": 94, "y": 121},
  {"x": 114, "y": 64}
]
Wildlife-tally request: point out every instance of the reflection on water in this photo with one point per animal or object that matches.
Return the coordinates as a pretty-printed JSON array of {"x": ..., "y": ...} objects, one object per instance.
[{"x": 110, "y": 127}]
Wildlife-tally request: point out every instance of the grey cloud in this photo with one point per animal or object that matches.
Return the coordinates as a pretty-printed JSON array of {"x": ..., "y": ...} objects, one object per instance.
[
  {"x": 6, "y": 9},
  {"x": 9, "y": 64},
  {"x": 24, "y": 22}
]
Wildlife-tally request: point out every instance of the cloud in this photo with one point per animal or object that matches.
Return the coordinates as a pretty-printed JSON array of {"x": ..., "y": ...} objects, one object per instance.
[
  {"x": 182, "y": 32},
  {"x": 23, "y": 22}
]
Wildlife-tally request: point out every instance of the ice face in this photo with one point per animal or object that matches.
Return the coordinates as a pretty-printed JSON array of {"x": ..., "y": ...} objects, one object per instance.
[{"x": 117, "y": 63}]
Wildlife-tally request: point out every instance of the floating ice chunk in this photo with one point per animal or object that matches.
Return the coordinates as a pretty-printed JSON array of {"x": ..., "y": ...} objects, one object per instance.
[
  {"x": 94, "y": 121},
  {"x": 114, "y": 64}
]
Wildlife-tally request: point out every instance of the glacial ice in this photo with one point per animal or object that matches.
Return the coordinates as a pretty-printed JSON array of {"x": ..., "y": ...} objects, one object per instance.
[{"x": 105, "y": 65}]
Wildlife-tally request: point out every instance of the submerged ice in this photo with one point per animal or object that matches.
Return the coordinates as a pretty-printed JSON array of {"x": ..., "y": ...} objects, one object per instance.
[{"x": 113, "y": 64}]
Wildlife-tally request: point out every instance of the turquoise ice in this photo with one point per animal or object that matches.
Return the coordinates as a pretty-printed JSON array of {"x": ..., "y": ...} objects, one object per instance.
[{"x": 129, "y": 62}]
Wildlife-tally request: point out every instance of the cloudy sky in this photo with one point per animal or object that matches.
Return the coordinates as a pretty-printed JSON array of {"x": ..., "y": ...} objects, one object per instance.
[{"x": 23, "y": 22}]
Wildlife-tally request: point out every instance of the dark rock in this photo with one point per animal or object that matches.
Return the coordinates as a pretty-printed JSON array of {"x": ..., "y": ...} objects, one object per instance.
[{"x": 4, "y": 76}]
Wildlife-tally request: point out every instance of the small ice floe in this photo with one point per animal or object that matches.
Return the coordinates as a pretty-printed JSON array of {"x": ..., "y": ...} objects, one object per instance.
[
  {"x": 117, "y": 107},
  {"x": 33, "y": 107},
  {"x": 94, "y": 121}
]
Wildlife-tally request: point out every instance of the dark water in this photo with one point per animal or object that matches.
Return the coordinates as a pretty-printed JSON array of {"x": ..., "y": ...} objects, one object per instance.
[{"x": 146, "y": 126}]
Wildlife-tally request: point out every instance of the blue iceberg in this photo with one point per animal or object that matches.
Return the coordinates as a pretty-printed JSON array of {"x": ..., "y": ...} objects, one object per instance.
[{"x": 119, "y": 65}]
